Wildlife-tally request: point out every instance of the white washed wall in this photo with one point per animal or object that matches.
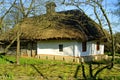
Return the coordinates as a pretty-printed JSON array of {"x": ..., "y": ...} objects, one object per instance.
[
  {"x": 91, "y": 49},
  {"x": 70, "y": 48},
  {"x": 88, "y": 50},
  {"x": 95, "y": 51}
]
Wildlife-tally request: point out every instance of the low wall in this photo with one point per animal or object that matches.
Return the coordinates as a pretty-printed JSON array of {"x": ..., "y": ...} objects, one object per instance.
[
  {"x": 56, "y": 57},
  {"x": 72, "y": 59},
  {"x": 94, "y": 58}
]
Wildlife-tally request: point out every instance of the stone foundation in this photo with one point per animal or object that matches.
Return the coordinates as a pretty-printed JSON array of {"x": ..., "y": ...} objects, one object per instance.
[{"x": 72, "y": 59}]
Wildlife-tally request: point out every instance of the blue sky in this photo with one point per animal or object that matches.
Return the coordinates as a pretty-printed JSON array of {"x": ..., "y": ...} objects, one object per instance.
[{"x": 115, "y": 20}]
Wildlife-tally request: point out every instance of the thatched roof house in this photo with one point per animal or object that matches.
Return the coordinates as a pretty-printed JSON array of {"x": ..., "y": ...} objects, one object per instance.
[{"x": 71, "y": 25}]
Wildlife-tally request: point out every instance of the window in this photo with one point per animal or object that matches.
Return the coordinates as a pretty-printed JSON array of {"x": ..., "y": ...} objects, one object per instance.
[
  {"x": 98, "y": 46},
  {"x": 60, "y": 47},
  {"x": 84, "y": 47}
]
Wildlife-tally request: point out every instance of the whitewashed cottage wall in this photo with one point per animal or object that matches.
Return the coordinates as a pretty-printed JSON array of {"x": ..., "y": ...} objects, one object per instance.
[
  {"x": 94, "y": 49},
  {"x": 52, "y": 48},
  {"x": 88, "y": 49},
  {"x": 70, "y": 48}
]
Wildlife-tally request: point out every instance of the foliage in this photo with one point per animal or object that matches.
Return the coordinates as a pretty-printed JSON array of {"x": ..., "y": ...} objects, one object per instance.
[
  {"x": 117, "y": 39},
  {"x": 117, "y": 43},
  {"x": 117, "y": 36},
  {"x": 117, "y": 60}
]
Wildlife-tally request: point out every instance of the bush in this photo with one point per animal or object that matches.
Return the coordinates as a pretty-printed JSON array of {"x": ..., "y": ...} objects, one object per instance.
[
  {"x": 108, "y": 53},
  {"x": 117, "y": 60}
]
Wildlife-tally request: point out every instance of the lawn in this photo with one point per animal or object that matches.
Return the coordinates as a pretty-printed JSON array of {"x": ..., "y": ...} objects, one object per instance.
[{"x": 36, "y": 69}]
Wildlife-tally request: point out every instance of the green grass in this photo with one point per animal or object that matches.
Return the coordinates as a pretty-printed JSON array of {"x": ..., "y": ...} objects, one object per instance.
[
  {"x": 36, "y": 69},
  {"x": 10, "y": 59},
  {"x": 3, "y": 61}
]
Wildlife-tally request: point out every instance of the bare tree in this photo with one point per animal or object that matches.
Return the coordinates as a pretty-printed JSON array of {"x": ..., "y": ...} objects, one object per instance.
[
  {"x": 19, "y": 10},
  {"x": 24, "y": 12},
  {"x": 94, "y": 4}
]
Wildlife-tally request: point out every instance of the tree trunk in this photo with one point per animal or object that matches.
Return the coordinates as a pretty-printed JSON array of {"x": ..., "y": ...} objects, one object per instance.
[{"x": 18, "y": 48}]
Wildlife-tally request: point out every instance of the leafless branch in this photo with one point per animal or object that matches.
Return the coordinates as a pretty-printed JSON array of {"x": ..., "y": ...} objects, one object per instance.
[
  {"x": 30, "y": 7},
  {"x": 1, "y": 19}
]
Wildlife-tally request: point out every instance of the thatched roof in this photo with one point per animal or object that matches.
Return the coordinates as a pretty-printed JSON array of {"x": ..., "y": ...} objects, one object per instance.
[{"x": 72, "y": 24}]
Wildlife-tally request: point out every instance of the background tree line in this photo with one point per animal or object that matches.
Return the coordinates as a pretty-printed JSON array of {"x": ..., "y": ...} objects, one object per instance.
[{"x": 117, "y": 44}]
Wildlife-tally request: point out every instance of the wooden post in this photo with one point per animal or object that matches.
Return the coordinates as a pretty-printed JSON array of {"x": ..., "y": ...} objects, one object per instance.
[
  {"x": 18, "y": 48},
  {"x": 54, "y": 58}
]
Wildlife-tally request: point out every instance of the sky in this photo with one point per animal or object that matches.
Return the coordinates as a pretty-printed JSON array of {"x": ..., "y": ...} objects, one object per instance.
[{"x": 115, "y": 20}]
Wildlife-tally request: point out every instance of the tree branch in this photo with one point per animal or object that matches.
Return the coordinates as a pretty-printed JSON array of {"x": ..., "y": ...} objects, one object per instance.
[
  {"x": 1, "y": 19},
  {"x": 110, "y": 29},
  {"x": 30, "y": 7}
]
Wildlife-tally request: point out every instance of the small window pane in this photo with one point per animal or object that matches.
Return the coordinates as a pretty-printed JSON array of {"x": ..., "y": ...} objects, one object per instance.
[
  {"x": 61, "y": 47},
  {"x": 98, "y": 46},
  {"x": 84, "y": 47}
]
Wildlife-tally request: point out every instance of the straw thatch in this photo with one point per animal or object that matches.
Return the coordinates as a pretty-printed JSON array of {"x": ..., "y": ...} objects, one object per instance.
[{"x": 72, "y": 24}]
